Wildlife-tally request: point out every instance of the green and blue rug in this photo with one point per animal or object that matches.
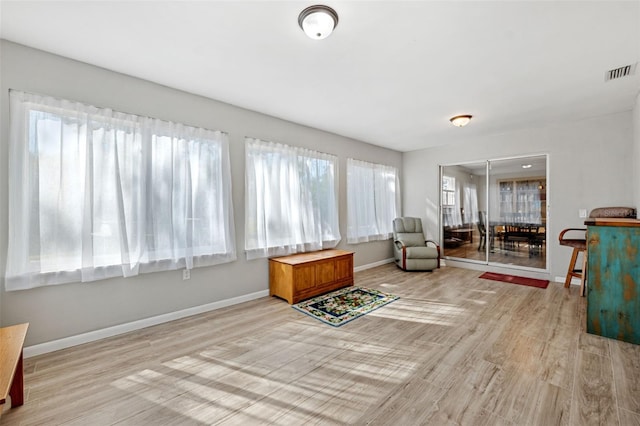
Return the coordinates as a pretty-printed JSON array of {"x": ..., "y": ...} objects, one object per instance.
[{"x": 341, "y": 306}]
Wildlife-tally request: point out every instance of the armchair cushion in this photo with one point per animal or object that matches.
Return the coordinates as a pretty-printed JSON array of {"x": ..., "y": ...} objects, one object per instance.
[
  {"x": 411, "y": 240},
  {"x": 422, "y": 252}
]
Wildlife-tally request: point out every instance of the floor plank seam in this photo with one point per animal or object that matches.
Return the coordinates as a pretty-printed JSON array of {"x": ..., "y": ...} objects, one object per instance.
[{"x": 614, "y": 384}]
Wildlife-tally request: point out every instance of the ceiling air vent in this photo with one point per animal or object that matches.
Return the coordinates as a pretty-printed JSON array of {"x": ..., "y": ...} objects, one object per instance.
[{"x": 620, "y": 72}]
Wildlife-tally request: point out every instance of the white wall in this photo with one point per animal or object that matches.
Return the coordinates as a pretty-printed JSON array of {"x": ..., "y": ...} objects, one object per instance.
[
  {"x": 70, "y": 309},
  {"x": 589, "y": 162}
]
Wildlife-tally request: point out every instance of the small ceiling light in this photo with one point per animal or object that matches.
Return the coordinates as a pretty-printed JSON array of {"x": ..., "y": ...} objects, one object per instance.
[
  {"x": 318, "y": 21},
  {"x": 460, "y": 120},
  {"x": 526, "y": 166}
]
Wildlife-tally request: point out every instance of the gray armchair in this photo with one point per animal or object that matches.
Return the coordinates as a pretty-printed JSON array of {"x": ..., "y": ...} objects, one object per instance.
[{"x": 410, "y": 248}]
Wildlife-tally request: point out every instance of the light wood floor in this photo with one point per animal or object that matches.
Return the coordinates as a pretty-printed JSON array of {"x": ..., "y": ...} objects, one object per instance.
[{"x": 455, "y": 349}]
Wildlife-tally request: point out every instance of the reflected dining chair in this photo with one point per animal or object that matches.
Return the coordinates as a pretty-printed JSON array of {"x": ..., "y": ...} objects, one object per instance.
[{"x": 482, "y": 230}]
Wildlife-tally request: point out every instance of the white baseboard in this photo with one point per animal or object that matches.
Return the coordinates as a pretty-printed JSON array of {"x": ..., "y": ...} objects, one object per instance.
[
  {"x": 372, "y": 265},
  {"x": 443, "y": 262},
  {"x": 91, "y": 336}
]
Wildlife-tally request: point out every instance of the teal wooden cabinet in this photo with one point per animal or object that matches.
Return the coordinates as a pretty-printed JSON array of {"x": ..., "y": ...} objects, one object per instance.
[{"x": 613, "y": 278}]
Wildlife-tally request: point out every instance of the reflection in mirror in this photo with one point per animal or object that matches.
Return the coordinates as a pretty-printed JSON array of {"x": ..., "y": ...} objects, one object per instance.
[
  {"x": 518, "y": 211},
  {"x": 463, "y": 198},
  {"x": 503, "y": 224}
]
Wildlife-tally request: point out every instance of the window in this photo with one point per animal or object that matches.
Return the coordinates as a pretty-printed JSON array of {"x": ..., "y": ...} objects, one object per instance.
[
  {"x": 523, "y": 200},
  {"x": 448, "y": 191},
  {"x": 291, "y": 200},
  {"x": 97, "y": 194},
  {"x": 373, "y": 194},
  {"x": 451, "y": 206}
]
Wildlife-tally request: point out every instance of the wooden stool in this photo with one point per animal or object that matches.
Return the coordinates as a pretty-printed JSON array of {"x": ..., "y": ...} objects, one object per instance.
[{"x": 579, "y": 246}]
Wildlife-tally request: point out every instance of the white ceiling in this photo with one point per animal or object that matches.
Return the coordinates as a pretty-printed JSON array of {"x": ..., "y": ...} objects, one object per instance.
[{"x": 391, "y": 74}]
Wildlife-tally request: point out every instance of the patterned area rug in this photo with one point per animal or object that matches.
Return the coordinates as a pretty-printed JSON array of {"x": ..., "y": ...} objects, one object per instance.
[{"x": 344, "y": 305}]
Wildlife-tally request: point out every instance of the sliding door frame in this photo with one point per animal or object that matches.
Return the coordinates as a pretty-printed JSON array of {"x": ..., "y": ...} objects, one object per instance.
[{"x": 487, "y": 176}]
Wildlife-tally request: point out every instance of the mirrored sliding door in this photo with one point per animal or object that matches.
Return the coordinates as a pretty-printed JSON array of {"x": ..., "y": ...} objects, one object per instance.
[
  {"x": 495, "y": 212},
  {"x": 464, "y": 202}
]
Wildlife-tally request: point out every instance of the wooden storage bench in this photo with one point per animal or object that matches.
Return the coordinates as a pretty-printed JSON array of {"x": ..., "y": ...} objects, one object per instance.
[
  {"x": 304, "y": 275},
  {"x": 11, "y": 370}
]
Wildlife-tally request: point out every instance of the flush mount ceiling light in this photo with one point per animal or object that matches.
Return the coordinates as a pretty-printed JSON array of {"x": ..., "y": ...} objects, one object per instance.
[
  {"x": 526, "y": 166},
  {"x": 460, "y": 120},
  {"x": 318, "y": 21}
]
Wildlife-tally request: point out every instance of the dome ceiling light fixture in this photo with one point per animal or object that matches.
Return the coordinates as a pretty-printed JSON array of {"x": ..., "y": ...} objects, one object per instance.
[
  {"x": 460, "y": 120},
  {"x": 318, "y": 21}
]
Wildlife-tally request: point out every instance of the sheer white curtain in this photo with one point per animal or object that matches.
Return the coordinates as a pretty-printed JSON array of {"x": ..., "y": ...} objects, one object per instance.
[
  {"x": 373, "y": 201},
  {"x": 529, "y": 202},
  {"x": 470, "y": 203},
  {"x": 94, "y": 193},
  {"x": 291, "y": 199},
  {"x": 457, "y": 211}
]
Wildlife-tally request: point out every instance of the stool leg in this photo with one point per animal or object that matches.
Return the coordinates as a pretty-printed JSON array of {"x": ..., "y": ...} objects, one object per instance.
[
  {"x": 583, "y": 278},
  {"x": 572, "y": 266}
]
